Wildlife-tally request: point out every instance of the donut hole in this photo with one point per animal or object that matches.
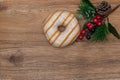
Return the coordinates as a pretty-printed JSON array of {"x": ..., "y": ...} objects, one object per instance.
[{"x": 61, "y": 28}]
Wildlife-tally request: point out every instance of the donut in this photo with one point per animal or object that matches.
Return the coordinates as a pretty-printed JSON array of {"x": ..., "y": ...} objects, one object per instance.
[{"x": 59, "y": 38}]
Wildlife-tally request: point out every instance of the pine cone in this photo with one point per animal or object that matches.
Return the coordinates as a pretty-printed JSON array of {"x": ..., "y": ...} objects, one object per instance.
[{"x": 104, "y": 8}]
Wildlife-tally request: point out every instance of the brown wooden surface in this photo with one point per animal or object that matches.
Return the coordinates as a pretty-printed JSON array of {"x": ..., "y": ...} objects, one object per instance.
[{"x": 25, "y": 53}]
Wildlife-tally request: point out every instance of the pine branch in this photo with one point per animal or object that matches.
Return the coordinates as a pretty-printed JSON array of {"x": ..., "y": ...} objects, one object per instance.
[
  {"x": 86, "y": 9},
  {"x": 88, "y": 3},
  {"x": 100, "y": 33},
  {"x": 113, "y": 30}
]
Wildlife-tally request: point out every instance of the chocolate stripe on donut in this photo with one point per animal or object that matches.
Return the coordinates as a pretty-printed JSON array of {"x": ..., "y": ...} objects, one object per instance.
[
  {"x": 54, "y": 22},
  {"x": 61, "y": 32},
  {"x": 48, "y": 19},
  {"x": 56, "y": 37},
  {"x": 70, "y": 20},
  {"x": 68, "y": 34},
  {"x": 67, "y": 18},
  {"x": 74, "y": 37},
  {"x": 53, "y": 35},
  {"x": 61, "y": 24}
]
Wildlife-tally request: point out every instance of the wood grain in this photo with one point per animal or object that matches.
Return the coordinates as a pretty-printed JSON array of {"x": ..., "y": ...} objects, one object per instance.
[{"x": 25, "y": 53}]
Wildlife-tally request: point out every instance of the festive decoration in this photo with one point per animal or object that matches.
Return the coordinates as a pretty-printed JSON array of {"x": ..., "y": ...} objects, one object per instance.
[
  {"x": 86, "y": 9},
  {"x": 80, "y": 37},
  {"x": 88, "y": 36},
  {"x": 103, "y": 8},
  {"x": 83, "y": 32},
  {"x": 95, "y": 27},
  {"x": 90, "y": 26},
  {"x": 113, "y": 30},
  {"x": 101, "y": 33}
]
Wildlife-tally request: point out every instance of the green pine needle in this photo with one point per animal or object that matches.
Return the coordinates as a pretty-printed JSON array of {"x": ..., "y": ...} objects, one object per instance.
[
  {"x": 88, "y": 3},
  {"x": 86, "y": 9},
  {"x": 101, "y": 33},
  {"x": 84, "y": 27},
  {"x": 113, "y": 30}
]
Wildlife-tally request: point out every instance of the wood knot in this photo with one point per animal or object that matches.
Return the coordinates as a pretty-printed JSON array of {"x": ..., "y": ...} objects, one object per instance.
[
  {"x": 16, "y": 58},
  {"x": 2, "y": 6}
]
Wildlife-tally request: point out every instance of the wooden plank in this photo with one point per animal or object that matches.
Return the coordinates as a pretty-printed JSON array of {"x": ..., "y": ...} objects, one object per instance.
[{"x": 25, "y": 53}]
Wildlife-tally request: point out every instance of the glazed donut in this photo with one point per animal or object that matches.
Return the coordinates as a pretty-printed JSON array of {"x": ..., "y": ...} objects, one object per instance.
[{"x": 59, "y": 38}]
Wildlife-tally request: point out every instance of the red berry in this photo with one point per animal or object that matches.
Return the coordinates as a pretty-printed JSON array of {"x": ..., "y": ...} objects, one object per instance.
[
  {"x": 80, "y": 37},
  {"x": 95, "y": 20},
  {"x": 88, "y": 24},
  {"x": 90, "y": 27},
  {"x": 99, "y": 23},
  {"x": 98, "y": 17},
  {"x": 83, "y": 32}
]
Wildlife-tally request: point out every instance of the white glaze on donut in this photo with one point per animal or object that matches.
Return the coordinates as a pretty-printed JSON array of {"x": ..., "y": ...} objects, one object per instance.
[{"x": 65, "y": 38}]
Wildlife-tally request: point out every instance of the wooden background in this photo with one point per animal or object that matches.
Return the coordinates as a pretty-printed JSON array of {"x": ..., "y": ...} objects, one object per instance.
[{"x": 25, "y": 53}]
